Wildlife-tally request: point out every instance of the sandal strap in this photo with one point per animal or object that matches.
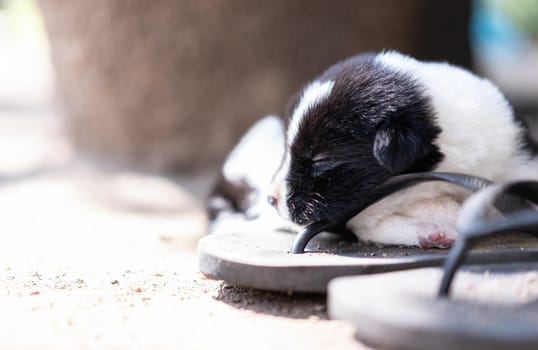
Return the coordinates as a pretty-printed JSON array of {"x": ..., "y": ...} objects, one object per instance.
[
  {"x": 394, "y": 184},
  {"x": 473, "y": 224}
]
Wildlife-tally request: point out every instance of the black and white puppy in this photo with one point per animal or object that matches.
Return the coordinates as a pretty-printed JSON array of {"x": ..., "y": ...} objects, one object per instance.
[{"x": 375, "y": 116}]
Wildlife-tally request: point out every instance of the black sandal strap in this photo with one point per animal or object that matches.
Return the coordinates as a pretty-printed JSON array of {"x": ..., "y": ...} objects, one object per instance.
[
  {"x": 394, "y": 184},
  {"x": 309, "y": 232},
  {"x": 473, "y": 225}
]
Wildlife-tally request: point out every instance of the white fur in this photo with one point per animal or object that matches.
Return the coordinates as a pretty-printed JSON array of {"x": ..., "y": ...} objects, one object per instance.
[
  {"x": 478, "y": 137},
  {"x": 279, "y": 188},
  {"x": 409, "y": 216},
  {"x": 263, "y": 141},
  {"x": 312, "y": 95},
  {"x": 260, "y": 151}
]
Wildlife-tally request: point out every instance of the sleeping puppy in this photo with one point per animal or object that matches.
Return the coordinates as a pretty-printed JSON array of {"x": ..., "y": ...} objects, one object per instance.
[{"x": 371, "y": 117}]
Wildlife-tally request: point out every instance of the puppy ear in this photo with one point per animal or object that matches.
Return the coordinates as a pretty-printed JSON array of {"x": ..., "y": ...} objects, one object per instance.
[{"x": 401, "y": 147}]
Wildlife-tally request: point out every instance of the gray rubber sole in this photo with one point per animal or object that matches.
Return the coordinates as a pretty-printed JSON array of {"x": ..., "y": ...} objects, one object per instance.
[
  {"x": 262, "y": 260},
  {"x": 494, "y": 308}
]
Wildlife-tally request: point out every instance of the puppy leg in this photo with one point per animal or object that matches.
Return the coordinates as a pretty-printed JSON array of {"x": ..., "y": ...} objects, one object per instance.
[{"x": 427, "y": 223}]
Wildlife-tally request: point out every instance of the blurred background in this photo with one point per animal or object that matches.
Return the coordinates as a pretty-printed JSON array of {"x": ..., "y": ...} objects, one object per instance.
[
  {"x": 114, "y": 118},
  {"x": 169, "y": 85}
]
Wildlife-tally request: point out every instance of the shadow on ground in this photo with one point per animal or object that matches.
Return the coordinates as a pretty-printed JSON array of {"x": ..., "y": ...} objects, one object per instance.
[{"x": 291, "y": 305}]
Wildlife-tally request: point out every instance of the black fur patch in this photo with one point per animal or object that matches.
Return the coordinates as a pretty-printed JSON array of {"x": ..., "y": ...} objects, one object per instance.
[
  {"x": 376, "y": 123},
  {"x": 228, "y": 196}
]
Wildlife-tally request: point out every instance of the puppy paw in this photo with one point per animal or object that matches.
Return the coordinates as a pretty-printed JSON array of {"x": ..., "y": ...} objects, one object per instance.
[
  {"x": 409, "y": 231},
  {"x": 411, "y": 220},
  {"x": 437, "y": 239}
]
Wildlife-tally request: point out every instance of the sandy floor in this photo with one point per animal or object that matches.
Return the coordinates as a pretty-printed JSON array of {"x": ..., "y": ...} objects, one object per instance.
[{"x": 107, "y": 259}]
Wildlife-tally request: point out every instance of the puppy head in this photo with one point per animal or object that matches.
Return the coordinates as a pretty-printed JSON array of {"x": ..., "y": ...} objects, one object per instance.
[{"x": 351, "y": 129}]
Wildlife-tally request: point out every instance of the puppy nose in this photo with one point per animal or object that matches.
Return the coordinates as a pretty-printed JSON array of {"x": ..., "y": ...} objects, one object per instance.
[{"x": 272, "y": 199}]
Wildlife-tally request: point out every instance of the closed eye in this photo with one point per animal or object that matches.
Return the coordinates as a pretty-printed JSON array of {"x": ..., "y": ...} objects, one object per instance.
[{"x": 322, "y": 163}]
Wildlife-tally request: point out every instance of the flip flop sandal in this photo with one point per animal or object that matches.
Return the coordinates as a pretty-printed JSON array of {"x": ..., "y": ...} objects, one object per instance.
[
  {"x": 263, "y": 260},
  {"x": 254, "y": 253},
  {"x": 486, "y": 307}
]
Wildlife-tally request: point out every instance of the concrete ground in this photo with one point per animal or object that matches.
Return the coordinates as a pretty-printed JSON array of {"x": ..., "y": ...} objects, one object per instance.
[
  {"x": 94, "y": 258},
  {"x": 105, "y": 258}
]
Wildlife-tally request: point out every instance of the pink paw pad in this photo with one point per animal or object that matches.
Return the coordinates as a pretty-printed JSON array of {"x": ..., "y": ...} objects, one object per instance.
[{"x": 437, "y": 240}]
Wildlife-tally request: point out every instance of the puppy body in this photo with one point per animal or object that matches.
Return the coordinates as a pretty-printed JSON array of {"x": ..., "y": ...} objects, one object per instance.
[{"x": 372, "y": 117}]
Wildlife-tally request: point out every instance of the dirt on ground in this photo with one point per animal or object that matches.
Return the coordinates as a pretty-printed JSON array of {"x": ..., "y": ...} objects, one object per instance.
[{"x": 105, "y": 258}]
